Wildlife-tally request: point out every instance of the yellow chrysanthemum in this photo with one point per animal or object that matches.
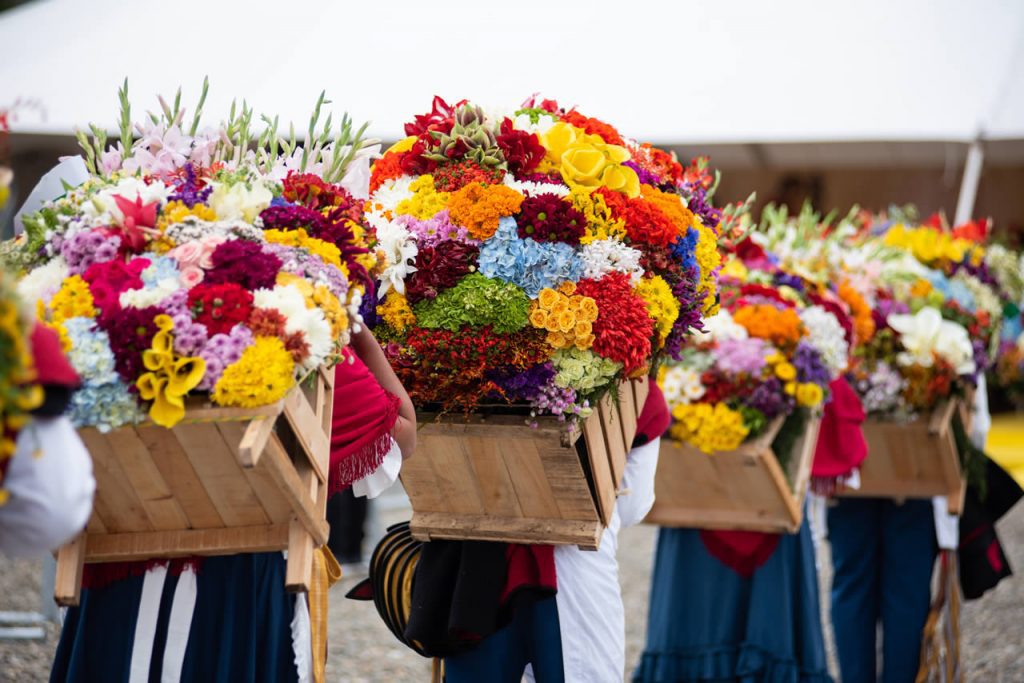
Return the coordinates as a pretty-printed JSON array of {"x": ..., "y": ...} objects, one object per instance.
[
  {"x": 73, "y": 300},
  {"x": 263, "y": 375},
  {"x": 327, "y": 252},
  {"x": 396, "y": 311},
  {"x": 425, "y": 202},
  {"x": 601, "y": 223},
  {"x": 662, "y": 305},
  {"x": 176, "y": 212},
  {"x": 709, "y": 428}
]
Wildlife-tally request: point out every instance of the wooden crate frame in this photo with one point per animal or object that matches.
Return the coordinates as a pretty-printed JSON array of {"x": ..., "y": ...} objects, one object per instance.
[
  {"x": 222, "y": 481},
  {"x": 744, "y": 489},
  {"x": 494, "y": 478},
  {"x": 914, "y": 459}
]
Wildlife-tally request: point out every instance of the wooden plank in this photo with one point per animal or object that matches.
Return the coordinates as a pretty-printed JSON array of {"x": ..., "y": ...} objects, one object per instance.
[
  {"x": 641, "y": 388},
  {"x": 309, "y": 430},
  {"x": 137, "y": 463},
  {"x": 494, "y": 480},
  {"x": 68, "y": 583},
  {"x": 295, "y": 491},
  {"x": 613, "y": 439},
  {"x": 95, "y": 524},
  {"x": 217, "y": 467},
  {"x": 487, "y": 426},
  {"x": 600, "y": 466},
  {"x": 174, "y": 466},
  {"x": 420, "y": 482},
  {"x": 116, "y": 502},
  {"x": 628, "y": 412},
  {"x": 801, "y": 461},
  {"x": 536, "y": 491},
  {"x": 275, "y": 507},
  {"x": 568, "y": 484},
  {"x": 299, "y": 569},
  {"x": 254, "y": 440},
  {"x": 185, "y": 542},
  {"x": 427, "y": 526},
  {"x": 454, "y": 475}
]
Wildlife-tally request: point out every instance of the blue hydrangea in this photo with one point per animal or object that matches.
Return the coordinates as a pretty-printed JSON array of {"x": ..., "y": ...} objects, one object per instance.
[
  {"x": 160, "y": 268},
  {"x": 954, "y": 290},
  {"x": 104, "y": 400},
  {"x": 685, "y": 250},
  {"x": 528, "y": 264}
]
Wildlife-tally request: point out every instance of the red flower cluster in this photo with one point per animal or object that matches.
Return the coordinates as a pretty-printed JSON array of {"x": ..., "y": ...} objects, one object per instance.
[
  {"x": 269, "y": 322},
  {"x": 108, "y": 280},
  {"x": 594, "y": 127},
  {"x": 445, "y": 367},
  {"x": 440, "y": 118},
  {"x": 291, "y": 218},
  {"x": 752, "y": 294},
  {"x": 644, "y": 222},
  {"x": 546, "y": 218},
  {"x": 454, "y": 177},
  {"x": 131, "y": 332},
  {"x": 522, "y": 150},
  {"x": 244, "y": 263},
  {"x": 623, "y": 329},
  {"x": 388, "y": 167},
  {"x": 219, "y": 306},
  {"x": 314, "y": 193},
  {"x": 438, "y": 268}
]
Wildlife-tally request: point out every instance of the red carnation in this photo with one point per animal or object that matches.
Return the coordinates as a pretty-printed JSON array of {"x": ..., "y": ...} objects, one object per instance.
[
  {"x": 594, "y": 127},
  {"x": 522, "y": 150},
  {"x": 219, "y": 306},
  {"x": 645, "y": 223}
]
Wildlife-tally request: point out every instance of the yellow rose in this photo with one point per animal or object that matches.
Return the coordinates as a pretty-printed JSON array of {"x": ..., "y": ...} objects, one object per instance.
[
  {"x": 539, "y": 317},
  {"x": 566, "y": 321},
  {"x": 561, "y": 306},
  {"x": 584, "y": 343},
  {"x": 583, "y": 328},
  {"x": 547, "y": 298},
  {"x": 568, "y": 288},
  {"x": 588, "y": 309},
  {"x": 583, "y": 164},
  {"x": 557, "y": 340},
  {"x": 558, "y": 139},
  {"x": 551, "y": 324}
]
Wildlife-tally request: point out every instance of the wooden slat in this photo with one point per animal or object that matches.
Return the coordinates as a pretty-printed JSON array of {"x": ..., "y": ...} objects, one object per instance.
[
  {"x": 294, "y": 490},
  {"x": 299, "y": 569},
  {"x": 221, "y": 475},
  {"x": 309, "y": 430},
  {"x": 611, "y": 424},
  {"x": 536, "y": 487},
  {"x": 568, "y": 484},
  {"x": 149, "y": 485},
  {"x": 173, "y": 463},
  {"x": 487, "y": 426},
  {"x": 497, "y": 490},
  {"x": 454, "y": 475},
  {"x": 116, "y": 502},
  {"x": 600, "y": 467},
  {"x": 627, "y": 410},
  {"x": 68, "y": 583},
  {"x": 254, "y": 440},
  {"x": 420, "y": 482},
  {"x": 181, "y": 543},
  {"x": 275, "y": 507},
  {"x": 426, "y": 526}
]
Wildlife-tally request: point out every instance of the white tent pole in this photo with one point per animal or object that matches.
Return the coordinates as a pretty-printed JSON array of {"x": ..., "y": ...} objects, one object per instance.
[{"x": 969, "y": 183}]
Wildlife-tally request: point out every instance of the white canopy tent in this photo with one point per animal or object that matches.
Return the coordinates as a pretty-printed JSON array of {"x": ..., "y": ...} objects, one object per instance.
[{"x": 668, "y": 72}]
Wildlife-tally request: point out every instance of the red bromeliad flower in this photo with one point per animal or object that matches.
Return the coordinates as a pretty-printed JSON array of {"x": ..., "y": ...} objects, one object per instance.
[
  {"x": 522, "y": 150},
  {"x": 219, "y": 306},
  {"x": 440, "y": 118},
  {"x": 314, "y": 193}
]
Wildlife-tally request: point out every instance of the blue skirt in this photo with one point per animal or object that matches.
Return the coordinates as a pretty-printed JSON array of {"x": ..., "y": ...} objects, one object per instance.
[
  {"x": 240, "y": 628},
  {"x": 708, "y": 623}
]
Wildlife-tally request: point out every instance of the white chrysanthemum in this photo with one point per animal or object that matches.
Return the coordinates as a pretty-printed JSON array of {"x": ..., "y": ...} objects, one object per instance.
[
  {"x": 543, "y": 125},
  {"x": 925, "y": 334},
  {"x": 400, "y": 250},
  {"x": 102, "y": 207},
  {"x": 826, "y": 335},
  {"x": 43, "y": 282},
  {"x": 681, "y": 385},
  {"x": 149, "y": 296},
  {"x": 720, "y": 327},
  {"x": 311, "y": 322},
  {"x": 532, "y": 189},
  {"x": 601, "y": 257},
  {"x": 390, "y": 194}
]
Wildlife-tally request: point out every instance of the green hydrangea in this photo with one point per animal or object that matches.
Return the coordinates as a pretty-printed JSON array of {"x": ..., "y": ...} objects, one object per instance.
[
  {"x": 583, "y": 371},
  {"x": 476, "y": 301}
]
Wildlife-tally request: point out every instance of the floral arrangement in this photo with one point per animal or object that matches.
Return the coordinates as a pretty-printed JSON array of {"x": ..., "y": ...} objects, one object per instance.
[
  {"x": 221, "y": 261},
  {"x": 774, "y": 349},
  {"x": 537, "y": 257}
]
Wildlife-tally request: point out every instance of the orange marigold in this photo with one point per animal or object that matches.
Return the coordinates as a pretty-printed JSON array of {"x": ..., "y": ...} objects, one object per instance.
[
  {"x": 781, "y": 327},
  {"x": 671, "y": 205},
  {"x": 478, "y": 207},
  {"x": 863, "y": 320}
]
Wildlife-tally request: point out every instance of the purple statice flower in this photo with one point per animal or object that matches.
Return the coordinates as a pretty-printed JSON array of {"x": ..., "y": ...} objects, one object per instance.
[
  {"x": 368, "y": 308},
  {"x": 698, "y": 203},
  {"x": 782, "y": 279},
  {"x": 809, "y": 365},
  {"x": 430, "y": 233},
  {"x": 526, "y": 385},
  {"x": 981, "y": 358},
  {"x": 88, "y": 247},
  {"x": 770, "y": 398},
  {"x": 690, "y": 315},
  {"x": 646, "y": 177},
  {"x": 187, "y": 191},
  {"x": 221, "y": 351},
  {"x": 980, "y": 271},
  {"x": 881, "y": 390},
  {"x": 741, "y": 356}
]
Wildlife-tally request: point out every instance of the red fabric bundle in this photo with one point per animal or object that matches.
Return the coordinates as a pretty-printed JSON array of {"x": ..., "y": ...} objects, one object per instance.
[
  {"x": 52, "y": 368},
  {"x": 361, "y": 423},
  {"x": 654, "y": 417},
  {"x": 841, "y": 446},
  {"x": 530, "y": 567}
]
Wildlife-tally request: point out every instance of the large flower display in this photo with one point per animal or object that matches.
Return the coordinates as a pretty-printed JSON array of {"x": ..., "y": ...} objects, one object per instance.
[
  {"x": 536, "y": 257},
  {"x": 217, "y": 261}
]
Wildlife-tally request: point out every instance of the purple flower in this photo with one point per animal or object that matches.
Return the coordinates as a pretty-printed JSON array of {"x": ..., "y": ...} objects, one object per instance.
[
  {"x": 698, "y": 203},
  {"x": 646, "y": 177},
  {"x": 689, "y": 320},
  {"x": 188, "y": 192},
  {"x": 526, "y": 385},
  {"x": 809, "y": 366},
  {"x": 221, "y": 351},
  {"x": 770, "y": 399},
  {"x": 243, "y": 263},
  {"x": 291, "y": 217},
  {"x": 430, "y": 233},
  {"x": 786, "y": 280},
  {"x": 86, "y": 248},
  {"x": 298, "y": 262}
]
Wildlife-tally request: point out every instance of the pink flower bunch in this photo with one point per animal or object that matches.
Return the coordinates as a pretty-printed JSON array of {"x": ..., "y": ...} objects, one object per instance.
[{"x": 194, "y": 257}]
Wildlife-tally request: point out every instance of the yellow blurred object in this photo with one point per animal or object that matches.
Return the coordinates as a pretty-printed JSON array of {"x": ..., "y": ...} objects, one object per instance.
[
  {"x": 6, "y": 176},
  {"x": 1005, "y": 444}
]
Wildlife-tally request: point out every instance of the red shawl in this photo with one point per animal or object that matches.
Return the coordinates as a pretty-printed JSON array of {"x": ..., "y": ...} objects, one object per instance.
[
  {"x": 841, "y": 445},
  {"x": 361, "y": 424}
]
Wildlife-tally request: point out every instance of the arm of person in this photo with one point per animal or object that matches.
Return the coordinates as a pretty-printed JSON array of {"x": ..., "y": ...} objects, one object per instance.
[
  {"x": 638, "y": 482},
  {"x": 366, "y": 347},
  {"x": 50, "y": 486}
]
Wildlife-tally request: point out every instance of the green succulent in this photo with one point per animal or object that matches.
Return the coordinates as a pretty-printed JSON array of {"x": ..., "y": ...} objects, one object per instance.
[{"x": 471, "y": 134}]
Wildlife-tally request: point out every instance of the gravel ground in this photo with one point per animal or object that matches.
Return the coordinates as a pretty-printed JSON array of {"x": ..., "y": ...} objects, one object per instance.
[{"x": 363, "y": 650}]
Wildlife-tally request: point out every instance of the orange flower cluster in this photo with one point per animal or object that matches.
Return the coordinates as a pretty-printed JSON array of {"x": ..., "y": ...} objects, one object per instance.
[
  {"x": 863, "y": 321},
  {"x": 388, "y": 167},
  {"x": 594, "y": 127},
  {"x": 478, "y": 207},
  {"x": 670, "y": 205},
  {"x": 567, "y": 317},
  {"x": 781, "y": 327}
]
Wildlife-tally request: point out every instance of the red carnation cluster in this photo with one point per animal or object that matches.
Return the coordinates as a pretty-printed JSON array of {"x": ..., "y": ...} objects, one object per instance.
[
  {"x": 546, "y": 218},
  {"x": 522, "y": 149},
  {"x": 131, "y": 331},
  {"x": 440, "y": 118},
  {"x": 109, "y": 279},
  {"x": 644, "y": 222},
  {"x": 623, "y": 328},
  {"x": 219, "y": 306},
  {"x": 439, "y": 268},
  {"x": 594, "y": 127}
]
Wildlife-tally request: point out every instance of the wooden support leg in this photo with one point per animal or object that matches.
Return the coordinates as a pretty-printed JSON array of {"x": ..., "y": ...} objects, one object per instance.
[
  {"x": 70, "y": 560},
  {"x": 299, "y": 572}
]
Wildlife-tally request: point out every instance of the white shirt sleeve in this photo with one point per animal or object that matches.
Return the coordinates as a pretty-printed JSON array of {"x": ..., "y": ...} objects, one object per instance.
[
  {"x": 50, "y": 486},
  {"x": 981, "y": 420},
  {"x": 381, "y": 479},
  {"x": 638, "y": 483}
]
